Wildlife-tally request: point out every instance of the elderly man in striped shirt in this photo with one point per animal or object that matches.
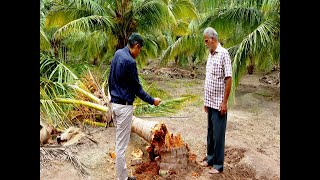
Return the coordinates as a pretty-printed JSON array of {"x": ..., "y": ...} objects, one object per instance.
[{"x": 216, "y": 92}]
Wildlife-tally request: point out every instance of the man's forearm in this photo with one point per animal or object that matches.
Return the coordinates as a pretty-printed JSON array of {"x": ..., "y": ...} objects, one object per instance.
[{"x": 227, "y": 89}]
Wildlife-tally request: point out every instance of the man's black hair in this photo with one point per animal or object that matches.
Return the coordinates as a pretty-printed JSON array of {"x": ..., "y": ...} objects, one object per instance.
[{"x": 135, "y": 38}]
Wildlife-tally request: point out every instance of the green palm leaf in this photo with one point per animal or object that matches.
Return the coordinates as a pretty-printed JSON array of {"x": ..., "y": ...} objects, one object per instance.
[
  {"x": 254, "y": 43},
  {"x": 44, "y": 42},
  {"x": 52, "y": 112},
  {"x": 151, "y": 14},
  {"x": 185, "y": 45},
  {"x": 90, "y": 6},
  {"x": 56, "y": 71},
  {"x": 84, "y": 24}
]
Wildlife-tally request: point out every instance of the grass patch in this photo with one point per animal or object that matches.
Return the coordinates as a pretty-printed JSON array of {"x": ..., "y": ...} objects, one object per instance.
[{"x": 263, "y": 93}]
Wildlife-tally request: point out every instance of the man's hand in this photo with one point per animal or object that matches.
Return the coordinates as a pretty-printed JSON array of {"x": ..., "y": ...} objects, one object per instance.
[
  {"x": 223, "y": 108},
  {"x": 156, "y": 101},
  {"x": 205, "y": 109}
]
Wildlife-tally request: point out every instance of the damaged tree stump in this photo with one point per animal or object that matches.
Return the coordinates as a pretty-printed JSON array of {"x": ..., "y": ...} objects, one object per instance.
[{"x": 169, "y": 151}]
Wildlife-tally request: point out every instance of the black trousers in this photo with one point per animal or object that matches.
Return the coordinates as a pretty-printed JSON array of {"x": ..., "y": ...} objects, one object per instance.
[{"x": 216, "y": 138}]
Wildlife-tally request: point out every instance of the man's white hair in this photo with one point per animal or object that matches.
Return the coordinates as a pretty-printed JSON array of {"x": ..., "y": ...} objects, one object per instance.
[{"x": 211, "y": 33}]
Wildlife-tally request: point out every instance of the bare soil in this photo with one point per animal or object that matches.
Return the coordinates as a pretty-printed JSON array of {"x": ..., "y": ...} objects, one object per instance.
[{"x": 252, "y": 138}]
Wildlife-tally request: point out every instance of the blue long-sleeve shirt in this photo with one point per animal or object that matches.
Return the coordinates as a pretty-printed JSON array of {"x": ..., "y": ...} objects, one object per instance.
[{"x": 123, "y": 80}]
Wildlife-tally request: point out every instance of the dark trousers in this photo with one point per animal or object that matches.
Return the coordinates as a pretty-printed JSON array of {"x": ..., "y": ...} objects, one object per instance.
[{"x": 216, "y": 138}]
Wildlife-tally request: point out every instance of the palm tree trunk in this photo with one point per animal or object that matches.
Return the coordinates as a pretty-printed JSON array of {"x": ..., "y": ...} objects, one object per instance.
[
  {"x": 193, "y": 73},
  {"x": 95, "y": 61},
  {"x": 152, "y": 131},
  {"x": 250, "y": 67},
  {"x": 157, "y": 134}
]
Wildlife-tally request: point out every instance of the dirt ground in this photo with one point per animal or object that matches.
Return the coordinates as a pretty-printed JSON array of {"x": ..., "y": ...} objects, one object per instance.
[{"x": 252, "y": 137}]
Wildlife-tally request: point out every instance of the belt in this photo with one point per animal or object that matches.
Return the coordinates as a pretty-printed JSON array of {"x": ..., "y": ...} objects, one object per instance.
[{"x": 122, "y": 102}]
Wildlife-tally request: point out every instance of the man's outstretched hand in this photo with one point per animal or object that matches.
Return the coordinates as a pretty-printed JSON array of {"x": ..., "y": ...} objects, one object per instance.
[{"x": 156, "y": 101}]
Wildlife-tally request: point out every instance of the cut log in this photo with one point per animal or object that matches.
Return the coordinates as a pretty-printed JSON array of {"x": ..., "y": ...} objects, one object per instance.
[
  {"x": 168, "y": 150},
  {"x": 152, "y": 131}
]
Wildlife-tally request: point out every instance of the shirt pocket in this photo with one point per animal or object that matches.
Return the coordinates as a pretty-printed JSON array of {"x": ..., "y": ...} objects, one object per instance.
[{"x": 217, "y": 70}]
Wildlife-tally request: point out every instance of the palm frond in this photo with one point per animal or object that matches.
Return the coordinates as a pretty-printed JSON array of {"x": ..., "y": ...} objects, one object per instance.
[
  {"x": 81, "y": 102},
  {"x": 54, "y": 89},
  {"x": 149, "y": 50},
  {"x": 227, "y": 20},
  {"x": 56, "y": 70},
  {"x": 185, "y": 45},
  {"x": 90, "y": 6},
  {"x": 183, "y": 9},
  {"x": 166, "y": 107},
  {"x": 208, "y": 6},
  {"x": 60, "y": 15},
  {"x": 254, "y": 43},
  {"x": 181, "y": 28},
  {"x": 84, "y": 24},
  {"x": 53, "y": 113},
  {"x": 66, "y": 12},
  {"x": 271, "y": 6},
  {"x": 153, "y": 14},
  {"x": 249, "y": 15},
  {"x": 53, "y": 153},
  {"x": 44, "y": 42}
]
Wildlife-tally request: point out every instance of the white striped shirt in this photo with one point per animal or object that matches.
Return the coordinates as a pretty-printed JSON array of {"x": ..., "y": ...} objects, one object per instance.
[{"x": 218, "y": 67}]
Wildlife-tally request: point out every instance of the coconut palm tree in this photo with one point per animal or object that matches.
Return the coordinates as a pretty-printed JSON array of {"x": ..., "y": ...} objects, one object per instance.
[
  {"x": 115, "y": 21},
  {"x": 249, "y": 29}
]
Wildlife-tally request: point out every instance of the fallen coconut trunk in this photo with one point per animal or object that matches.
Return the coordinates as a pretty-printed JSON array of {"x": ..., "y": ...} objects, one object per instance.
[
  {"x": 169, "y": 151},
  {"x": 152, "y": 131}
]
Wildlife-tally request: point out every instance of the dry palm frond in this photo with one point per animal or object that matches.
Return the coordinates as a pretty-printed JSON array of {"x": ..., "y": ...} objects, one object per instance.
[
  {"x": 59, "y": 153},
  {"x": 89, "y": 83}
]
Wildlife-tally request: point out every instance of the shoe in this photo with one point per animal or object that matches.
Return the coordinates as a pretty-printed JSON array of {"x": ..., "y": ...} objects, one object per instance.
[
  {"x": 214, "y": 171},
  {"x": 204, "y": 164},
  {"x": 131, "y": 178}
]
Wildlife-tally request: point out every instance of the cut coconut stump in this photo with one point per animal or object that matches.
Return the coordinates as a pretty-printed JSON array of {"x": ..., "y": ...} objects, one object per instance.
[{"x": 168, "y": 150}]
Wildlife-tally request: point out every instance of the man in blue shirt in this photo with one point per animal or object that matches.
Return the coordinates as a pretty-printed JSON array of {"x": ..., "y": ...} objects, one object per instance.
[{"x": 124, "y": 86}]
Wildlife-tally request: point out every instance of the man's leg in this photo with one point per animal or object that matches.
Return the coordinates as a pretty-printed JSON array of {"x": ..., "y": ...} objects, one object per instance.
[
  {"x": 123, "y": 119},
  {"x": 210, "y": 138},
  {"x": 219, "y": 130}
]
